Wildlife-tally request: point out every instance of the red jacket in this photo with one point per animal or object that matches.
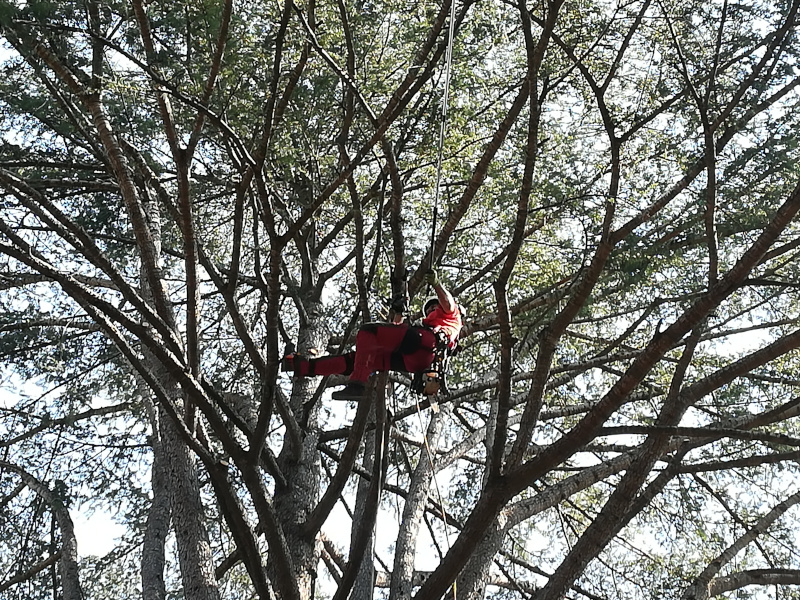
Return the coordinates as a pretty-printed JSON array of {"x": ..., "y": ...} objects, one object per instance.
[{"x": 448, "y": 323}]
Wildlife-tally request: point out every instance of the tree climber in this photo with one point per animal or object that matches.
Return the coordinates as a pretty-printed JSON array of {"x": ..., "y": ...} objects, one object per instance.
[{"x": 396, "y": 346}]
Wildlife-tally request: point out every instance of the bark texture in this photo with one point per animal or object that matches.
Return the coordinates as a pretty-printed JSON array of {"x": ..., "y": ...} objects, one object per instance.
[
  {"x": 68, "y": 563},
  {"x": 159, "y": 515},
  {"x": 295, "y": 501},
  {"x": 415, "y": 503}
]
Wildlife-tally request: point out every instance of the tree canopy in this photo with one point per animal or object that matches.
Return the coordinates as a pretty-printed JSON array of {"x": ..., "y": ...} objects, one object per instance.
[{"x": 188, "y": 187}]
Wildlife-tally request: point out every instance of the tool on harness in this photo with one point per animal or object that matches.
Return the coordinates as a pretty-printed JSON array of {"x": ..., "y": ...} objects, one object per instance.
[{"x": 433, "y": 381}]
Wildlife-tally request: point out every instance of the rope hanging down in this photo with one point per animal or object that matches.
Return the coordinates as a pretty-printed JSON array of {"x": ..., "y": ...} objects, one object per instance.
[{"x": 448, "y": 61}]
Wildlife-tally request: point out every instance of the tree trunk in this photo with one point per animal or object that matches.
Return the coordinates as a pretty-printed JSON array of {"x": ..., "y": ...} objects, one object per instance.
[
  {"x": 471, "y": 583},
  {"x": 188, "y": 515},
  {"x": 363, "y": 586},
  {"x": 416, "y": 501},
  {"x": 188, "y": 518},
  {"x": 68, "y": 562},
  {"x": 159, "y": 515},
  {"x": 295, "y": 501}
]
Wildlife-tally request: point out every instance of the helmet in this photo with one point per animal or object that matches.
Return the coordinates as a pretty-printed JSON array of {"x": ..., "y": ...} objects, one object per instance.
[{"x": 429, "y": 304}]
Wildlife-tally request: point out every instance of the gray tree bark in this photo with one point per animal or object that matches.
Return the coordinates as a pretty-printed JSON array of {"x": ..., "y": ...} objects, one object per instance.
[
  {"x": 363, "y": 586},
  {"x": 172, "y": 458},
  {"x": 159, "y": 515},
  {"x": 762, "y": 577},
  {"x": 472, "y": 581},
  {"x": 301, "y": 468},
  {"x": 188, "y": 518},
  {"x": 403, "y": 569},
  {"x": 68, "y": 562}
]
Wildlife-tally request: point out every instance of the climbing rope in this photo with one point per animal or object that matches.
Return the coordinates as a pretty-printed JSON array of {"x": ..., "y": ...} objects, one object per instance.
[
  {"x": 448, "y": 62},
  {"x": 432, "y": 464}
]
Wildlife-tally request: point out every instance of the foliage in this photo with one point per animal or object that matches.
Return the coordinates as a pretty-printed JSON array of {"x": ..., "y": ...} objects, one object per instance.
[{"x": 189, "y": 186}]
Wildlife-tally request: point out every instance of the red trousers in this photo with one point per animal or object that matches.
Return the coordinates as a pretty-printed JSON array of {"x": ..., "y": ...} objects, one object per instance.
[{"x": 379, "y": 347}]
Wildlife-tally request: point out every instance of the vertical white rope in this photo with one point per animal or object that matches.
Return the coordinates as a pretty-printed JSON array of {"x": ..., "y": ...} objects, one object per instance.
[
  {"x": 448, "y": 62},
  {"x": 432, "y": 464}
]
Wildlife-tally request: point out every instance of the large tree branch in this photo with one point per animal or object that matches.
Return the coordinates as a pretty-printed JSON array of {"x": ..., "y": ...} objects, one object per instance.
[
  {"x": 700, "y": 587},
  {"x": 29, "y": 573},
  {"x": 760, "y": 577},
  {"x": 536, "y": 54},
  {"x": 611, "y": 518},
  {"x": 79, "y": 239},
  {"x": 495, "y": 496},
  {"x": 68, "y": 563},
  {"x": 119, "y": 165}
]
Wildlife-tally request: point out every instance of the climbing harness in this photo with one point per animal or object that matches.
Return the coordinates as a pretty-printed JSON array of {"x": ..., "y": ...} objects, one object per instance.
[{"x": 433, "y": 381}]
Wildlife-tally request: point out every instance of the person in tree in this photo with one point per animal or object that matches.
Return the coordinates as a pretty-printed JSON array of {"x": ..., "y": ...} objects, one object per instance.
[{"x": 397, "y": 346}]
